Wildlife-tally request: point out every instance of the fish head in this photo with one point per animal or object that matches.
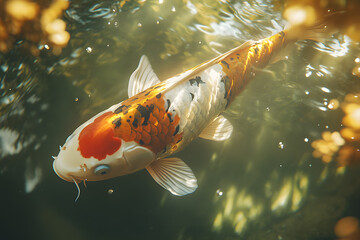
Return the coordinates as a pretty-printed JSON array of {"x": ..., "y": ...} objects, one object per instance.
[{"x": 94, "y": 152}]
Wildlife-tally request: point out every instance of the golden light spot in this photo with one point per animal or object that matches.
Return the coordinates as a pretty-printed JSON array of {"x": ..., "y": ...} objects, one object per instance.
[
  {"x": 60, "y": 39},
  {"x": 327, "y": 146},
  {"x": 347, "y": 142},
  {"x": 22, "y": 10},
  {"x": 304, "y": 183},
  {"x": 240, "y": 221},
  {"x": 282, "y": 198},
  {"x": 214, "y": 157},
  {"x": 352, "y": 118},
  {"x": 352, "y": 98},
  {"x": 296, "y": 199},
  {"x": 346, "y": 227},
  {"x": 36, "y": 22},
  {"x": 56, "y": 26},
  {"x": 244, "y": 201},
  {"x": 230, "y": 197},
  {"x": 356, "y": 71},
  {"x": 217, "y": 224},
  {"x": 255, "y": 211},
  {"x": 337, "y": 139},
  {"x": 340, "y": 170},
  {"x": 324, "y": 174},
  {"x": 349, "y": 134},
  {"x": 333, "y": 104},
  {"x": 298, "y": 15},
  {"x": 348, "y": 155}
]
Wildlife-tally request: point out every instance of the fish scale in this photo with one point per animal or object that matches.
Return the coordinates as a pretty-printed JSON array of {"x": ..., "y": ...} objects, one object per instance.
[{"x": 208, "y": 102}]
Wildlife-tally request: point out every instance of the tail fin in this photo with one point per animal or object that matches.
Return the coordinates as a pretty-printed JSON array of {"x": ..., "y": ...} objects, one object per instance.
[{"x": 317, "y": 30}]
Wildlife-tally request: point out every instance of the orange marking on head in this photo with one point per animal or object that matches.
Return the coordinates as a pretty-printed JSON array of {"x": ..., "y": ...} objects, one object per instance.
[{"x": 98, "y": 138}]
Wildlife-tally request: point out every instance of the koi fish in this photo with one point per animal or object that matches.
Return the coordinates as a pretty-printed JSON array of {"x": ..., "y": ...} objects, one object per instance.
[{"x": 160, "y": 118}]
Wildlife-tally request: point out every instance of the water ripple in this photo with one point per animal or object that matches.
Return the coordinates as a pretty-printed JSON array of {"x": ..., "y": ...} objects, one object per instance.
[
  {"x": 334, "y": 47},
  {"x": 100, "y": 12}
]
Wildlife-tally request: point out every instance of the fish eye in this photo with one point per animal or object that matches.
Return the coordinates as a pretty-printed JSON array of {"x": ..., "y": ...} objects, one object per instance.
[{"x": 102, "y": 169}]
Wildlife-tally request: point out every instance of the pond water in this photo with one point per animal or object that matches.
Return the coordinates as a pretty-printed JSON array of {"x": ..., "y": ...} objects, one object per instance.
[{"x": 262, "y": 183}]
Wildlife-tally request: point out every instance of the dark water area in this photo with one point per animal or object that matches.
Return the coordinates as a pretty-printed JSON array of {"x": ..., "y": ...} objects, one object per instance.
[{"x": 262, "y": 183}]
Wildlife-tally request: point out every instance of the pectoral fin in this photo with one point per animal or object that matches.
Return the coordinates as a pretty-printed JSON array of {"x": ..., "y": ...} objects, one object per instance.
[
  {"x": 142, "y": 78},
  {"x": 219, "y": 129},
  {"x": 174, "y": 175},
  {"x": 138, "y": 157}
]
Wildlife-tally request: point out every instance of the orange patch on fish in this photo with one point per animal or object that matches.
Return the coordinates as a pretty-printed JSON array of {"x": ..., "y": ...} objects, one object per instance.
[
  {"x": 144, "y": 119},
  {"x": 240, "y": 66},
  {"x": 98, "y": 138}
]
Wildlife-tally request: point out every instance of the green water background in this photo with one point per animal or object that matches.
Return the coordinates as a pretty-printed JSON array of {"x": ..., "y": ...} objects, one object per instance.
[{"x": 263, "y": 183}]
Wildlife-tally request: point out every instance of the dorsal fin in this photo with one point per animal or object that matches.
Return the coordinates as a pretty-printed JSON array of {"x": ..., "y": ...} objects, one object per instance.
[
  {"x": 142, "y": 78},
  {"x": 196, "y": 70}
]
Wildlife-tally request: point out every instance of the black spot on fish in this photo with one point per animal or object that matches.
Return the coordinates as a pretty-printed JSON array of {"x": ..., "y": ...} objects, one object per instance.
[
  {"x": 157, "y": 87},
  {"x": 282, "y": 33},
  {"x": 226, "y": 64},
  {"x": 145, "y": 112},
  {"x": 231, "y": 59},
  {"x": 128, "y": 120},
  {"x": 197, "y": 80},
  {"x": 192, "y": 96},
  {"x": 147, "y": 93},
  {"x": 226, "y": 80},
  {"x": 130, "y": 116},
  {"x": 176, "y": 130},
  {"x": 135, "y": 123},
  {"x": 117, "y": 122},
  {"x": 179, "y": 140},
  {"x": 256, "y": 50},
  {"x": 119, "y": 109},
  {"x": 141, "y": 142},
  {"x": 158, "y": 95},
  {"x": 169, "y": 116},
  {"x": 168, "y": 104}
]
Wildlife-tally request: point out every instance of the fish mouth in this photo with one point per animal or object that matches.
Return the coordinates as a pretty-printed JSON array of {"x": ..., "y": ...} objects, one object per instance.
[{"x": 68, "y": 179}]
